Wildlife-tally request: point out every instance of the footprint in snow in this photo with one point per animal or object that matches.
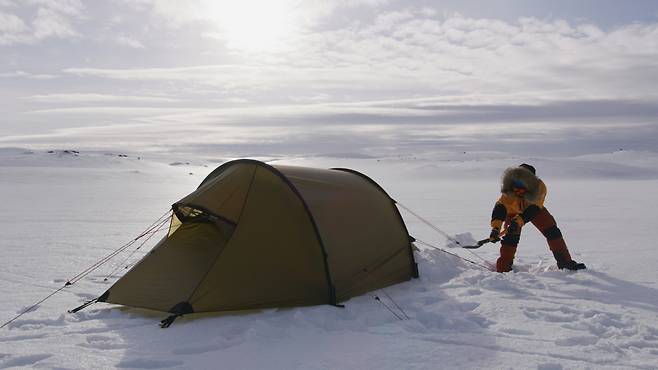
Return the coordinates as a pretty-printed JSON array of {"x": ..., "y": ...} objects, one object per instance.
[
  {"x": 555, "y": 315},
  {"x": 470, "y": 292},
  {"x": 38, "y": 324},
  {"x": 549, "y": 366},
  {"x": 19, "y": 338},
  {"x": 586, "y": 340},
  {"x": 506, "y": 285},
  {"x": 195, "y": 350},
  {"x": 23, "y": 361},
  {"x": 515, "y": 331},
  {"x": 86, "y": 296},
  {"x": 602, "y": 329},
  {"x": 147, "y": 363},
  {"x": 102, "y": 342},
  {"x": 428, "y": 300}
]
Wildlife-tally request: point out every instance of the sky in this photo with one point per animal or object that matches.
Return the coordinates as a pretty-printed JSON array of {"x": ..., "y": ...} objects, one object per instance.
[{"x": 316, "y": 76}]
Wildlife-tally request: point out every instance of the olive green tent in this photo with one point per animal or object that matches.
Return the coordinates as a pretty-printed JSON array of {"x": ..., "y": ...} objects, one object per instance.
[{"x": 254, "y": 235}]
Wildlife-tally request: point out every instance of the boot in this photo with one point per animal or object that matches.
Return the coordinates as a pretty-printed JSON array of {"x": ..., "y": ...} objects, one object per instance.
[
  {"x": 571, "y": 265},
  {"x": 562, "y": 256},
  {"x": 504, "y": 262}
]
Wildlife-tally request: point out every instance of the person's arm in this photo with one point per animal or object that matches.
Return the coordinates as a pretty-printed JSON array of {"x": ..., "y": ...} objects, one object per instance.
[
  {"x": 498, "y": 216},
  {"x": 531, "y": 211}
]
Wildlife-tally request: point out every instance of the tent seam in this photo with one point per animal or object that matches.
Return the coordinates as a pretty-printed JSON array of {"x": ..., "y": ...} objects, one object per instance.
[
  {"x": 330, "y": 282},
  {"x": 253, "y": 175}
]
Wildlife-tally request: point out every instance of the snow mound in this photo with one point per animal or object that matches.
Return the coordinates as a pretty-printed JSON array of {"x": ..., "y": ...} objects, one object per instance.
[{"x": 461, "y": 240}]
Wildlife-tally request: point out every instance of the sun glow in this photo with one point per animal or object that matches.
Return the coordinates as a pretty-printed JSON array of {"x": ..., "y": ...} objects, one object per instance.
[{"x": 253, "y": 25}]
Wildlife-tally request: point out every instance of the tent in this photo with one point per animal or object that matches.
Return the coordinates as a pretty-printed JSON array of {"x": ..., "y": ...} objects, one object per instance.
[{"x": 254, "y": 235}]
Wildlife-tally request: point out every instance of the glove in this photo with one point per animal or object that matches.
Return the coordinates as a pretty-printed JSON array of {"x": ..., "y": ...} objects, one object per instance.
[
  {"x": 495, "y": 235},
  {"x": 515, "y": 225}
]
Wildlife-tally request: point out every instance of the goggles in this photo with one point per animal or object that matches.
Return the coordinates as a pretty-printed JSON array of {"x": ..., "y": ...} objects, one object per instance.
[
  {"x": 519, "y": 188},
  {"x": 519, "y": 191}
]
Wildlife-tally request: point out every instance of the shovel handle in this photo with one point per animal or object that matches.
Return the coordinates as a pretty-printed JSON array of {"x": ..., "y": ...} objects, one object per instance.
[
  {"x": 481, "y": 243},
  {"x": 477, "y": 245},
  {"x": 487, "y": 240}
]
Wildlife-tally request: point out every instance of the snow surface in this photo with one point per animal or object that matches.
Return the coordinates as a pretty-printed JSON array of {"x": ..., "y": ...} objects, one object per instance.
[{"x": 65, "y": 210}]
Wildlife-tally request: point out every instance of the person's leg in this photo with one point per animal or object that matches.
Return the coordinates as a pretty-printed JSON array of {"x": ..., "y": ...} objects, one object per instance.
[
  {"x": 508, "y": 245},
  {"x": 545, "y": 223}
]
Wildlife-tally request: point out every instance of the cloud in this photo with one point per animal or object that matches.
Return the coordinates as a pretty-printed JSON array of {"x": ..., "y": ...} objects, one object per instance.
[
  {"x": 12, "y": 28},
  {"x": 41, "y": 19},
  {"x": 129, "y": 42},
  {"x": 262, "y": 77},
  {"x": 246, "y": 25},
  {"x": 23, "y": 74},
  {"x": 80, "y": 98},
  {"x": 51, "y": 23},
  {"x": 413, "y": 51},
  {"x": 409, "y": 75},
  {"x": 110, "y": 111},
  {"x": 219, "y": 134},
  {"x": 308, "y": 11}
]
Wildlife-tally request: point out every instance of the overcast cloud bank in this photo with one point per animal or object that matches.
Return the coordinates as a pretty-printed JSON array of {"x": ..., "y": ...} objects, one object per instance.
[{"x": 368, "y": 74}]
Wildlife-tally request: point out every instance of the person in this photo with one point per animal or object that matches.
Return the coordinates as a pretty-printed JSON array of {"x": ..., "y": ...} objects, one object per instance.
[{"x": 522, "y": 201}]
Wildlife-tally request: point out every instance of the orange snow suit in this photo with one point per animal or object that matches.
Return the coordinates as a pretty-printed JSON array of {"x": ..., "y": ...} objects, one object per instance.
[{"x": 528, "y": 207}]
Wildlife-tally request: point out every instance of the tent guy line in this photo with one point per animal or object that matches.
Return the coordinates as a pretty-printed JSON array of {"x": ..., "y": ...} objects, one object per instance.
[
  {"x": 291, "y": 236},
  {"x": 450, "y": 238},
  {"x": 157, "y": 226},
  {"x": 160, "y": 227},
  {"x": 279, "y": 208},
  {"x": 150, "y": 230},
  {"x": 456, "y": 255}
]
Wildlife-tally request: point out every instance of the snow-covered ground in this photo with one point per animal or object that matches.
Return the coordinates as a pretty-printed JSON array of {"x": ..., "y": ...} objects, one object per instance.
[{"x": 62, "y": 211}]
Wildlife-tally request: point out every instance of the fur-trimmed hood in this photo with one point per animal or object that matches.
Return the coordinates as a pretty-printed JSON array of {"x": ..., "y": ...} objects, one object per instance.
[{"x": 531, "y": 182}]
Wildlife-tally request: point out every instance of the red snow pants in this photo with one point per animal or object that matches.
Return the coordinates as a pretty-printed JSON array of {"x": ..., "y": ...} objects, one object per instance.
[{"x": 545, "y": 223}]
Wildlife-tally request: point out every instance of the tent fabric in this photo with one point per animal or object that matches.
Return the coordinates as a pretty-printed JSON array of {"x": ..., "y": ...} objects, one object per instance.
[{"x": 254, "y": 235}]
